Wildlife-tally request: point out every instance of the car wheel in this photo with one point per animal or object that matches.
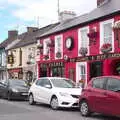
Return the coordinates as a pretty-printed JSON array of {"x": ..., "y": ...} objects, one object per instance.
[
  {"x": 84, "y": 108},
  {"x": 31, "y": 99},
  {"x": 9, "y": 96},
  {"x": 54, "y": 103}
]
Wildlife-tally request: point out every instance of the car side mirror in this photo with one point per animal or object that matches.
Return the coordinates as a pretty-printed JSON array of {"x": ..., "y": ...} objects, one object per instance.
[{"x": 48, "y": 86}]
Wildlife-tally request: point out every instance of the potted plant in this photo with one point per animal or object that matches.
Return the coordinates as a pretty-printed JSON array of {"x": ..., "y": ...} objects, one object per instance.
[
  {"x": 58, "y": 54},
  {"x": 46, "y": 57},
  {"x": 106, "y": 47},
  {"x": 83, "y": 51},
  {"x": 39, "y": 46}
]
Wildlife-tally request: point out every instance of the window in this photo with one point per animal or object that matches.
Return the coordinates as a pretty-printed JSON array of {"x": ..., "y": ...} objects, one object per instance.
[
  {"x": 83, "y": 73},
  {"x": 83, "y": 40},
  {"x": 106, "y": 33},
  {"x": 99, "y": 83},
  {"x": 113, "y": 84},
  {"x": 58, "y": 46},
  {"x": 43, "y": 82}
]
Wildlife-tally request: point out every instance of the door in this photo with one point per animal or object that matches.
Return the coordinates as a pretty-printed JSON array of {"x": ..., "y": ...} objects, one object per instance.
[
  {"x": 43, "y": 90},
  {"x": 96, "y": 69},
  {"x": 97, "y": 95},
  {"x": 112, "y": 96}
]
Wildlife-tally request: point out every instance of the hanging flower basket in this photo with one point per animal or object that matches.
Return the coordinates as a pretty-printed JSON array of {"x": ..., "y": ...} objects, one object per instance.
[
  {"x": 66, "y": 58},
  {"x": 92, "y": 35},
  {"x": 58, "y": 55},
  {"x": 46, "y": 57},
  {"x": 107, "y": 47},
  {"x": 39, "y": 46},
  {"x": 83, "y": 51}
]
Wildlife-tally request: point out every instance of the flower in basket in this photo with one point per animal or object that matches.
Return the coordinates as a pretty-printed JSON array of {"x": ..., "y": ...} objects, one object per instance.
[
  {"x": 58, "y": 54},
  {"x": 39, "y": 46},
  {"x": 46, "y": 57},
  {"x": 106, "y": 47},
  {"x": 83, "y": 51}
]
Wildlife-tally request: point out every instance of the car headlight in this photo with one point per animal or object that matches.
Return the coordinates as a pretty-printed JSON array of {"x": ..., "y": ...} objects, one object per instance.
[
  {"x": 64, "y": 94},
  {"x": 14, "y": 90}
]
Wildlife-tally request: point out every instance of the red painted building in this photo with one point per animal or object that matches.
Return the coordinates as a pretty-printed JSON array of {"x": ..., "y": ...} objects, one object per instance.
[{"x": 83, "y": 47}]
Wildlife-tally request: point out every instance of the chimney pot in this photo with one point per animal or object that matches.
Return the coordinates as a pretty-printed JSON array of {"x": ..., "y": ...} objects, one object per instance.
[{"x": 12, "y": 33}]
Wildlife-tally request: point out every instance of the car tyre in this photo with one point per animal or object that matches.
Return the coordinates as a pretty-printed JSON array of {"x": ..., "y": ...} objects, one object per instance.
[
  {"x": 31, "y": 99},
  {"x": 84, "y": 108},
  {"x": 9, "y": 96},
  {"x": 54, "y": 103}
]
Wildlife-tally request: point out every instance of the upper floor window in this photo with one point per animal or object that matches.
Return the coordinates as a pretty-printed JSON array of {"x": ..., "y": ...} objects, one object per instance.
[
  {"x": 58, "y": 46},
  {"x": 106, "y": 33},
  {"x": 83, "y": 41}
]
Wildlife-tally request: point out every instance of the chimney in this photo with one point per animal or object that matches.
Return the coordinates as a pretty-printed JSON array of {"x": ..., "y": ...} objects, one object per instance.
[
  {"x": 31, "y": 29},
  {"x": 12, "y": 34},
  {"x": 101, "y": 2},
  {"x": 65, "y": 15}
]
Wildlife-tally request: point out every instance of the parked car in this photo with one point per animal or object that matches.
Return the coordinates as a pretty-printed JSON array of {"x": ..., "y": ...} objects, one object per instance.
[
  {"x": 13, "y": 89},
  {"x": 102, "y": 95},
  {"x": 55, "y": 91}
]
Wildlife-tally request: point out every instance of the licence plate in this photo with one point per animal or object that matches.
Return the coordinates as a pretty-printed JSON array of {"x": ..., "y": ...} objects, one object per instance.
[{"x": 24, "y": 93}]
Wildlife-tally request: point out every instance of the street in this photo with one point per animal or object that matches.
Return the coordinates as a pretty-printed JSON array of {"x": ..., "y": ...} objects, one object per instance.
[{"x": 21, "y": 110}]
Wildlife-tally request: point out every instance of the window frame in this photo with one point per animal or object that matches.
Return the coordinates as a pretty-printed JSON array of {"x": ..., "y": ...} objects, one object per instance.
[{"x": 102, "y": 33}]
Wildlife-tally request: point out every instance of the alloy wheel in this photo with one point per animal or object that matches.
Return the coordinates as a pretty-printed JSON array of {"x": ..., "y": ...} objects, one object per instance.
[
  {"x": 54, "y": 103},
  {"x": 84, "y": 108}
]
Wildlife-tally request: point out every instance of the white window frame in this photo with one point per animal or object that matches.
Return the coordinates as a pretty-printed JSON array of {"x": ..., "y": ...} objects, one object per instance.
[
  {"x": 78, "y": 72},
  {"x": 59, "y": 47},
  {"x": 102, "y": 33},
  {"x": 45, "y": 47},
  {"x": 79, "y": 39}
]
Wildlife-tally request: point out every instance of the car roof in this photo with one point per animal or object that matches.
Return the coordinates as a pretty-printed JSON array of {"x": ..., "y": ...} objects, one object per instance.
[
  {"x": 54, "y": 77},
  {"x": 112, "y": 76}
]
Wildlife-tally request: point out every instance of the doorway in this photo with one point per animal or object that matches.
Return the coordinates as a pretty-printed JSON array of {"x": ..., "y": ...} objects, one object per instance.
[{"x": 96, "y": 69}]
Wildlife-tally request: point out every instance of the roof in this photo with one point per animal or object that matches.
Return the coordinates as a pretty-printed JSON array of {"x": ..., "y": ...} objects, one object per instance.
[
  {"x": 30, "y": 37},
  {"x": 111, "y": 7},
  {"x": 10, "y": 40}
]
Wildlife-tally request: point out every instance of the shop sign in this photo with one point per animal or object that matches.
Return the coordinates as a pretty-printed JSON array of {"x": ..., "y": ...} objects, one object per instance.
[
  {"x": 97, "y": 57},
  {"x": 55, "y": 64},
  {"x": 10, "y": 59}
]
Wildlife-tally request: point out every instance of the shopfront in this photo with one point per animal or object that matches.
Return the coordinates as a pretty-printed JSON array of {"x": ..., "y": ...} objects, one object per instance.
[
  {"x": 16, "y": 73},
  {"x": 51, "y": 69}
]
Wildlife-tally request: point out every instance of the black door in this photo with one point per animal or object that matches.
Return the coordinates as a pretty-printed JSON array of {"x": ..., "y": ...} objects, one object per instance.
[{"x": 96, "y": 69}]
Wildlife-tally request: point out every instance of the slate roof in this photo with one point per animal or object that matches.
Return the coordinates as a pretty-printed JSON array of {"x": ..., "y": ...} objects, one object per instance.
[
  {"x": 30, "y": 37},
  {"x": 27, "y": 38},
  {"x": 109, "y": 8}
]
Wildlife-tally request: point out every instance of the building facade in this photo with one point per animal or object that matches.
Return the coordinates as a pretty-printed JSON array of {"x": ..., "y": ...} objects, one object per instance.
[{"x": 83, "y": 47}]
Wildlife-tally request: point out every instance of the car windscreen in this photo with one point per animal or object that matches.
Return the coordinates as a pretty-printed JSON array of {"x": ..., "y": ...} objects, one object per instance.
[
  {"x": 63, "y": 83},
  {"x": 17, "y": 83}
]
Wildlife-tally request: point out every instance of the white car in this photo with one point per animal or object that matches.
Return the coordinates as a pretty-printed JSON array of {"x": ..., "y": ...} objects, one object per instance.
[{"x": 55, "y": 91}]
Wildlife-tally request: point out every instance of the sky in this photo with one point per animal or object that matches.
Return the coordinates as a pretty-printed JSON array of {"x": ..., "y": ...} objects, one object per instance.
[{"x": 20, "y": 14}]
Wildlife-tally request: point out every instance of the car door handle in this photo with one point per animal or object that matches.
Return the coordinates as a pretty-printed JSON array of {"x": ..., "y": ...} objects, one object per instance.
[{"x": 104, "y": 93}]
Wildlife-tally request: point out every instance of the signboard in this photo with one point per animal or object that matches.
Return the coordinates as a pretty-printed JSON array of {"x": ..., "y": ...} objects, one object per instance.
[{"x": 96, "y": 57}]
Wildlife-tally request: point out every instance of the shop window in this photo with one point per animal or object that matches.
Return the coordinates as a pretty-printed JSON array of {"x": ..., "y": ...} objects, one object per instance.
[{"x": 58, "y": 71}]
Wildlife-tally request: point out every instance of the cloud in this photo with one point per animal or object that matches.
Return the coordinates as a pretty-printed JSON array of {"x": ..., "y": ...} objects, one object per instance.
[{"x": 47, "y": 9}]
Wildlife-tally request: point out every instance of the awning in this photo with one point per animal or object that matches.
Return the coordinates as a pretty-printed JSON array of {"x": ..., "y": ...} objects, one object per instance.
[{"x": 116, "y": 25}]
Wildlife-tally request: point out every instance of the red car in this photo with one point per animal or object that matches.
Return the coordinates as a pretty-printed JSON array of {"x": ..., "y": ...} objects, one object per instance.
[{"x": 102, "y": 95}]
